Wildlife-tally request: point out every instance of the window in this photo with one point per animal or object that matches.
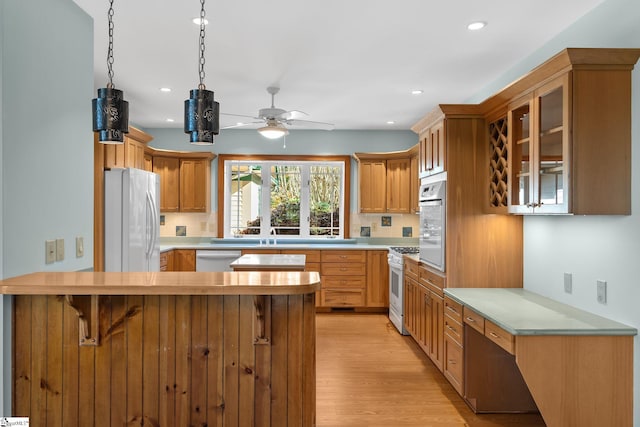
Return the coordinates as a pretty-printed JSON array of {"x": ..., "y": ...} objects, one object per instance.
[{"x": 288, "y": 197}]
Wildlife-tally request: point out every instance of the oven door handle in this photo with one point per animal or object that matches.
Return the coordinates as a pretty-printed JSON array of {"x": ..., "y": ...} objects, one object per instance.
[{"x": 431, "y": 202}]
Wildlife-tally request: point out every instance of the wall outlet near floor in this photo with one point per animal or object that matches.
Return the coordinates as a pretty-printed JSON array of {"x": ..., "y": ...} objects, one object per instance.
[
  {"x": 568, "y": 282},
  {"x": 602, "y": 291}
]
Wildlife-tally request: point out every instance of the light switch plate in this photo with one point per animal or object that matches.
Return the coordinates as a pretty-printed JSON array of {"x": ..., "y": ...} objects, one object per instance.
[
  {"x": 49, "y": 251},
  {"x": 79, "y": 247},
  {"x": 59, "y": 249},
  {"x": 602, "y": 291},
  {"x": 568, "y": 282}
]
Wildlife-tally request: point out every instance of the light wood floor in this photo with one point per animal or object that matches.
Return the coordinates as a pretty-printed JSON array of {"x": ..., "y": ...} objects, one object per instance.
[{"x": 370, "y": 375}]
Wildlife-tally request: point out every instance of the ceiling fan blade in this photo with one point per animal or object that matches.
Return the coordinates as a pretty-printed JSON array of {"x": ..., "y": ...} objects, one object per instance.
[
  {"x": 292, "y": 115},
  {"x": 311, "y": 125},
  {"x": 239, "y": 125},
  {"x": 240, "y": 115}
]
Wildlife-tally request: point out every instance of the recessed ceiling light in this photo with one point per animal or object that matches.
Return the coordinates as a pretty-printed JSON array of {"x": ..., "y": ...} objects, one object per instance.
[
  {"x": 197, "y": 21},
  {"x": 391, "y": 122},
  {"x": 478, "y": 25},
  {"x": 417, "y": 92},
  {"x": 239, "y": 124},
  {"x": 165, "y": 89},
  {"x": 170, "y": 120}
]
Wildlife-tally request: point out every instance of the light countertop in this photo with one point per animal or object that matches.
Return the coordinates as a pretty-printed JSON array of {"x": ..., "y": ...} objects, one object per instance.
[{"x": 521, "y": 312}]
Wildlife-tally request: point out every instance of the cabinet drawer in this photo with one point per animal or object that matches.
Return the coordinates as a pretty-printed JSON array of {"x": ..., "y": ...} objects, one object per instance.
[
  {"x": 344, "y": 256},
  {"x": 343, "y": 269},
  {"x": 473, "y": 319},
  {"x": 332, "y": 282},
  {"x": 453, "y": 309},
  {"x": 310, "y": 256},
  {"x": 430, "y": 279},
  {"x": 453, "y": 357},
  {"x": 412, "y": 269},
  {"x": 453, "y": 329},
  {"x": 312, "y": 266},
  {"x": 342, "y": 298},
  {"x": 499, "y": 336}
]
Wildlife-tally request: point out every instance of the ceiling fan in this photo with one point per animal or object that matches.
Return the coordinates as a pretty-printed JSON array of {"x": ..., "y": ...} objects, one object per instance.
[{"x": 276, "y": 119}]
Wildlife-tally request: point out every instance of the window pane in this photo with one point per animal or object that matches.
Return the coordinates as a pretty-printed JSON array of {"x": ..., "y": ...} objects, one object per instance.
[
  {"x": 324, "y": 205},
  {"x": 246, "y": 194},
  {"x": 285, "y": 199}
]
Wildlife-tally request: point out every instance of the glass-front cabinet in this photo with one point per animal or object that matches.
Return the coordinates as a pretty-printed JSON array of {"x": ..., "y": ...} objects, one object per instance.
[{"x": 539, "y": 150}]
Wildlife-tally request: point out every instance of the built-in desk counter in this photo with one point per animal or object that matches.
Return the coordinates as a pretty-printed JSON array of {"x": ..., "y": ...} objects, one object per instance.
[
  {"x": 577, "y": 366},
  {"x": 164, "y": 349}
]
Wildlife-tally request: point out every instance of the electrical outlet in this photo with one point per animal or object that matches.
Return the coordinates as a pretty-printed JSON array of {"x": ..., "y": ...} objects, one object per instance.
[
  {"x": 602, "y": 291},
  {"x": 568, "y": 285},
  {"x": 49, "y": 251},
  {"x": 79, "y": 247},
  {"x": 59, "y": 249}
]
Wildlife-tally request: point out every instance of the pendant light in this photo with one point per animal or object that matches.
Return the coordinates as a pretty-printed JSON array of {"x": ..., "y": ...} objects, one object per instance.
[
  {"x": 110, "y": 110},
  {"x": 201, "y": 112}
]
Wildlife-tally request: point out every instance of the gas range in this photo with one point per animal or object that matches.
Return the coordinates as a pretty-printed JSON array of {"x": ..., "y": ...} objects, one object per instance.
[
  {"x": 396, "y": 284},
  {"x": 404, "y": 249}
]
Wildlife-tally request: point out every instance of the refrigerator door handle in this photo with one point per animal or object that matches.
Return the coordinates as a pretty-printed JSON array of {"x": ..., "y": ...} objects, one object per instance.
[{"x": 150, "y": 228}]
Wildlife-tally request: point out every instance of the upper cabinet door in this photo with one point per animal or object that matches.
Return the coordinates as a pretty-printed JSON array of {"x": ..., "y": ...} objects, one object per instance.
[{"x": 539, "y": 150}]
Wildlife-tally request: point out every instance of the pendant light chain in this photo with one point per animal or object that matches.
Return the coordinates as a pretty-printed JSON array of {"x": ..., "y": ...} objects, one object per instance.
[
  {"x": 110, "y": 49},
  {"x": 201, "y": 71}
]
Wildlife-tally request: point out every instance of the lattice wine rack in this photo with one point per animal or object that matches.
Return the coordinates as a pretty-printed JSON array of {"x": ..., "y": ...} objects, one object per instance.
[{"x": 498, "y": 169}]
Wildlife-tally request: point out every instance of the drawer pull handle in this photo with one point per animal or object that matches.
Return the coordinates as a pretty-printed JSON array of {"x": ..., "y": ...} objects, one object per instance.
[
  {"x": 470, "y": 319},
  {"x": 343, "y": 256},
  {"x": 450, "y": 328},
  {"x": 452, "y": 362},
  {"x": 452, "y": 309},
  {"x": 494, "y": 335},
  {"x": 343, "y": 269}
]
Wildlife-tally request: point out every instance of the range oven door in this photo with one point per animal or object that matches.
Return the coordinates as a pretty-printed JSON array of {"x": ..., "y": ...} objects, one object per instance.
[
  {"x": 396, "y": 297},
  {"x": 432, "y": 233}
]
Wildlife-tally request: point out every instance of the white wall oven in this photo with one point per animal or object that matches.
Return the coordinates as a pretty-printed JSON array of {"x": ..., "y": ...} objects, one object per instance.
[
  {"x": 432, "y": 223},
  {"x": 396, "y": 285}
]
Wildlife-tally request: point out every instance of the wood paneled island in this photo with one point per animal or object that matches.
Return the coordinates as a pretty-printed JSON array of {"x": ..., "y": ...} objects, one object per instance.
[{"x": 164, "y": 349}]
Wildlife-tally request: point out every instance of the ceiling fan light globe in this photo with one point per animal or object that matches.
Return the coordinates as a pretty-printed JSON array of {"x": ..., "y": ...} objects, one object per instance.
[{"x": 273, "y": 132}]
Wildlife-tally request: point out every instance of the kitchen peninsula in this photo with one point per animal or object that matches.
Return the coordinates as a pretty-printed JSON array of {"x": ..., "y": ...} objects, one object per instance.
[{"x": 162, "y": 349}]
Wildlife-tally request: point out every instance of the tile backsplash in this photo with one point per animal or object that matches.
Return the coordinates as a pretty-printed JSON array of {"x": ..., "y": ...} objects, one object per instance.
[{"x": 362, "y": 225}]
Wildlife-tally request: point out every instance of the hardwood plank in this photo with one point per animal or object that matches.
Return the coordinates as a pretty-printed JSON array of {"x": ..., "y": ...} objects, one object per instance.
[
  {"x": 118, "y": 407},
  {"x": 167, "y": 379},
  {"x": 38, "y": 414},
  {"x": 263, "y": 368},
  {"x": 102, "y": 414},
  {"x": 70, "y": 367},
  {"x": 231, "y": 360},
  {"x": 295, "y": 332},
  {"x": 215, "y": 361},
  {"x": 151, "y": 358},
  {"x": 21, "y": 356},
  {"x": 369, "y": 374},
  {"x": 134, "y": 353},
  {"x": 246, "y": 359},
  {"x": 199, "y": 358},
  {"x": 279, "y": 352},
  {"x": 183, "y": 360}
]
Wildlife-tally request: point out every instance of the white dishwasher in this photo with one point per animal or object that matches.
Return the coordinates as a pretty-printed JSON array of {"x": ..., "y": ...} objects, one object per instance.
[{"x": 216, "y": 260}]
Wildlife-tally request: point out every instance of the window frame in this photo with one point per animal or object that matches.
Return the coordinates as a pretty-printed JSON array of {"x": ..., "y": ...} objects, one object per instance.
[{"x": 222, "y": 158}]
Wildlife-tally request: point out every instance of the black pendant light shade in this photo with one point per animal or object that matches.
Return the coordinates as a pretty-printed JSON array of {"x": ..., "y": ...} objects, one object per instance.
[
  {"x": 110, "y": 115},
  {"x": 201, "y": 116}
]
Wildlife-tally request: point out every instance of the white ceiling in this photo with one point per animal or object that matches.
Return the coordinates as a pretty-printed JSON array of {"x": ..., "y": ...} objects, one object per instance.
[{"x": 353, "y": 63}]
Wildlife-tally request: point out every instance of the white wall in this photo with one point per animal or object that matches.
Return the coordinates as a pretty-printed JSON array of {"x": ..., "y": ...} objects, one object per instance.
[
  {"x": 596, "y": 247},
  {"x": 46, "y": 141}
]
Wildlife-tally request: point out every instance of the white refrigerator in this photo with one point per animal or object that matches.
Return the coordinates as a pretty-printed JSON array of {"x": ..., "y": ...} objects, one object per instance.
[{"x": 132, "y": 220}]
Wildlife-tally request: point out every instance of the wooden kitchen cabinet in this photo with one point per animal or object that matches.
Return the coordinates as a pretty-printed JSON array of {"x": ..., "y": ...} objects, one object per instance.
[
  {"x": 166, "y": 261},
  {"x": 344, "y": 278},
  {"x": 414, "y": 182},
  {"x": 432, "y": 154},
  {"x": 453, "y": 350},
  {"x": 185, "y": 180},
  {"x": 398, "y": 185},
  {"x": 129, "y": 154},
  {"x": 184, "y": 260},
  {"x": 570, "y": 134},
  {"x": 377, "y": 279},
  {"x": 169, "y": 170},
  {"x": 373, "y": 186}
]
